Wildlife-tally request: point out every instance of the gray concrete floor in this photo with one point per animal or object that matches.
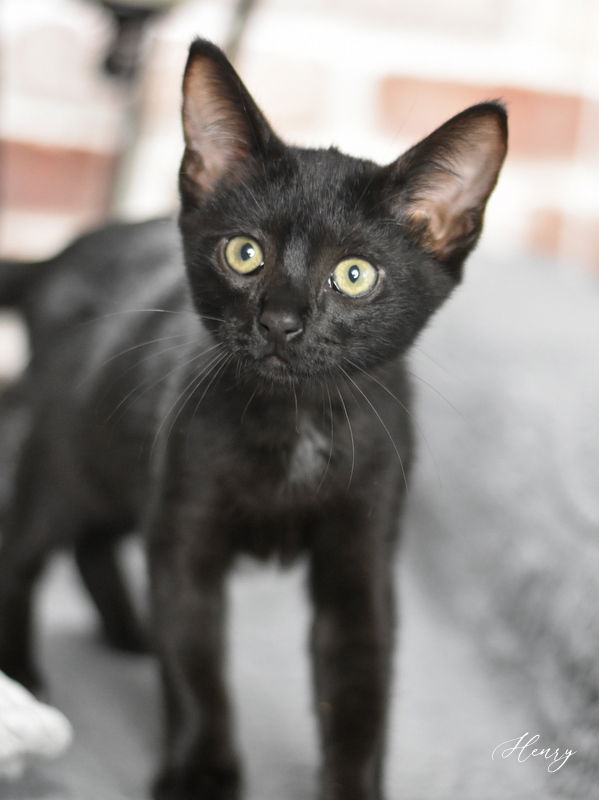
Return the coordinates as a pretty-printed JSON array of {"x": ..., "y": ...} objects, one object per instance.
[
  {"x": 448, "y": 712},
  {"x": 455, "y": 697}
]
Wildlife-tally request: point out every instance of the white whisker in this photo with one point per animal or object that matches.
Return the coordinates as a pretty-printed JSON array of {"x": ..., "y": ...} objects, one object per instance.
[
  {"x": 407, "y": 411},
  {"x": 162, "y": 378},
  {"x": 183, "y": 397},
  {"x": 247, "y": 405},
  {"x": 351, "y": 436},
  {"x": 328, "y": 464},
  {"x": 380, "y": 419},
  {"x": 440, "y": 394}
]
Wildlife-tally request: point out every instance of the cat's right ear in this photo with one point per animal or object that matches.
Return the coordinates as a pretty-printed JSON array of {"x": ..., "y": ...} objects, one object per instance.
[
  {"x": 439, "y": 188},
  {"x": 224, "y": 129}
]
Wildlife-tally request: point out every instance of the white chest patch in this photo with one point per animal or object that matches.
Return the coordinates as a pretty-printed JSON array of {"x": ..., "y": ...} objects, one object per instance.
[{"x": 308, "y": 459}]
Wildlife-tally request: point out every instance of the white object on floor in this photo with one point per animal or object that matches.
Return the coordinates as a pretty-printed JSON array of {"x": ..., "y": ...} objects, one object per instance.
[{"x": 28, "y": 728}]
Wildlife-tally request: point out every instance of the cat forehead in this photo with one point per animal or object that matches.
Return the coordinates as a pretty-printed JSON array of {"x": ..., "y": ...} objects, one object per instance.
[
  {"x": 305, "y": 198},
  {"x": 329, "y": 171},
  {"x": 308, "y": 189}
]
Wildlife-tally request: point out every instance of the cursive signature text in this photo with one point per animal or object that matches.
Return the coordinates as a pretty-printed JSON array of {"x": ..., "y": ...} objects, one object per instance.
[{"x": 523, "y": 748}]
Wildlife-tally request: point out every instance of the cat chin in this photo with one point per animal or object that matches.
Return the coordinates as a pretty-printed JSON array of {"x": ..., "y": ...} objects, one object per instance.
[
  {"x": 276, "y": 370},
  {"x": 272, "y": 371}
]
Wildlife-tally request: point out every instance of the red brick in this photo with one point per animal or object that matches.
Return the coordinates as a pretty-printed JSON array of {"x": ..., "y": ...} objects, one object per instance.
[
  {"x": 59, "y": 179},
  {"x": 556, "y": 233},
  {"x": 542, "y": 124},
  {"x": 545, "y": 230},
  {"x": 581, "y": 240},
  {"x": 590, "y": 129}
]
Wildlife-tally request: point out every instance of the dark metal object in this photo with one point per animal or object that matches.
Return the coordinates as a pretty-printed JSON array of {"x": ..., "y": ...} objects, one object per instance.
[
  {"x": 130, "y": 21},
  {"x": 239, "y": 22},
  {"x": 124, "y": 61}
]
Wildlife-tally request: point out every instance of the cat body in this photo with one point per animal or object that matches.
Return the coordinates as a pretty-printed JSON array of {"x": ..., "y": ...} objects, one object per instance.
[
  {"x": 238, "y": 386},
  {"x": 118, "y": 336}
]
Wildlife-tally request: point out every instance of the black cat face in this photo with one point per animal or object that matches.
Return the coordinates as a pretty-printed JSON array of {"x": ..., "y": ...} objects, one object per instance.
[
  {"x": 303, "y": 262},
  {"x": 304, "y": 269}
]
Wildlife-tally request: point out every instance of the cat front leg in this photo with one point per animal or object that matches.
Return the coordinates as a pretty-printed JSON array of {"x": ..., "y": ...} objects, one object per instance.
[
  {"x": 351, "y": 641},
  {"x": 188, "y": 567}
]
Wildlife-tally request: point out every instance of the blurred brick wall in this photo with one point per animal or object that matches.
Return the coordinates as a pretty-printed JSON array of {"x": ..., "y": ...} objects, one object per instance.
[{"x": 369, "y": 75}]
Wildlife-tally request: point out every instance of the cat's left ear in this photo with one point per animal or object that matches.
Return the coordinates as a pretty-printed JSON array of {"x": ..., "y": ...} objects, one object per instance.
[
  {"x": 441, "y": 186},
  {"x": 223, "y": 127}
]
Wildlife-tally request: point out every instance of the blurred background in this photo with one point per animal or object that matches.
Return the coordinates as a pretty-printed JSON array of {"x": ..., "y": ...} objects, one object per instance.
[
  {"x": 371, "y": 77},
  {"x": 500, "y": 564}
]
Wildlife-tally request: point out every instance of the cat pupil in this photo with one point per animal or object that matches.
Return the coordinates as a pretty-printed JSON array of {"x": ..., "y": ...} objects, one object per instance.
[
  {"x": 247, "y": 252},
  {"x": 353, "y": 273}
]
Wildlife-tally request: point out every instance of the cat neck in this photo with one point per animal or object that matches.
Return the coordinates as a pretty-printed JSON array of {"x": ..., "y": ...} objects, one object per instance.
[{"x": 274, "y": 415}]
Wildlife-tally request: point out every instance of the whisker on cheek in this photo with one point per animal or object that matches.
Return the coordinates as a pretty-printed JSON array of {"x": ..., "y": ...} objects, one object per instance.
[{"x": 382, "y": 422}]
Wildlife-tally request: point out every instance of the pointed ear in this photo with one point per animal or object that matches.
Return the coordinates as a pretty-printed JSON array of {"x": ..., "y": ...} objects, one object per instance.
[
  {"x": 222, "y": 126},
  {"x": 441, "y": 186}
]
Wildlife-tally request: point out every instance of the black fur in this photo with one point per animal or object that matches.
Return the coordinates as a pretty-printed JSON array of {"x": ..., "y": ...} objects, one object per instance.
[{"x": 184, "y": 406}]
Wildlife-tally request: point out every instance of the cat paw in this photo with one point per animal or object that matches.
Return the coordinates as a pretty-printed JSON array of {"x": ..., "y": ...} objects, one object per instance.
[{"x": 199, "y": 783}]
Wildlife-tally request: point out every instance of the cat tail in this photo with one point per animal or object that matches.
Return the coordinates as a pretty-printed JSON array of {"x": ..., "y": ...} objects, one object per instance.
[{"x": 16, "y": 279}]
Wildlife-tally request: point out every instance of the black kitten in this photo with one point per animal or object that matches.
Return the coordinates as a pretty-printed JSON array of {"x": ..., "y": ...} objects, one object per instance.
[{"x": 257, "y": 404}]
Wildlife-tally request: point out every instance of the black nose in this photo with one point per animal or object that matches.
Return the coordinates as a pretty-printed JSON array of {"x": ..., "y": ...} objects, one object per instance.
[{"x": 280, "y": 324}]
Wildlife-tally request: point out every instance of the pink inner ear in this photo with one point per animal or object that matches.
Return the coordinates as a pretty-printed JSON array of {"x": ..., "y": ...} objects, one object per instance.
[
  {"x": 449, "y": 204},
  {"x": 216, "y": 135}
]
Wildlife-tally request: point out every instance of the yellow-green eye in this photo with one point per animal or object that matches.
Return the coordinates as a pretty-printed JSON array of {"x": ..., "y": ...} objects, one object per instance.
[
  {"x": 244, "y": 254},
  {"x": 354, "y": 277}
]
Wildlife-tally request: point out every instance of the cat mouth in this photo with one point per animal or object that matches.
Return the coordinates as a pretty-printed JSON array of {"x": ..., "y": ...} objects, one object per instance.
[
  {"x": 275, "y": 367},
  {"x": 276, "y": 363},
  {"x": 275, "y": 358}
]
